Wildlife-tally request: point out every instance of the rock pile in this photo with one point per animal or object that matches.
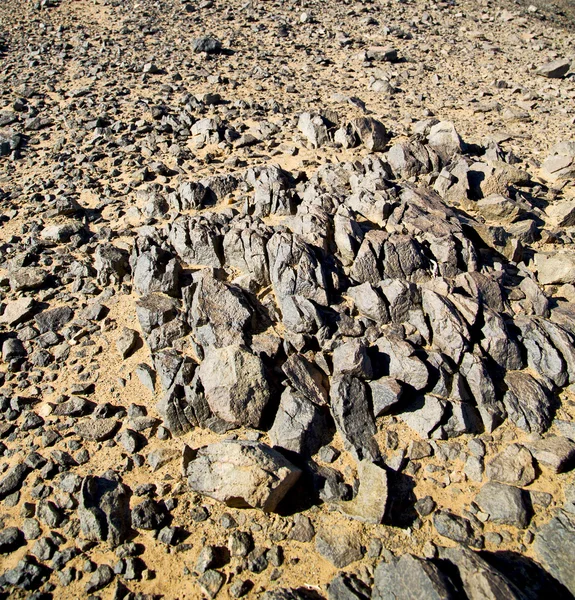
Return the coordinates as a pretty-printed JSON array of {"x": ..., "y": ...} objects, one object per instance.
[{"x": 250, "y": 340}]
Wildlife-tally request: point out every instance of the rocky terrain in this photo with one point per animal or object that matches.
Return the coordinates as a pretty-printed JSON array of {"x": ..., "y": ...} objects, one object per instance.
[{"x": 287, "y": 299}]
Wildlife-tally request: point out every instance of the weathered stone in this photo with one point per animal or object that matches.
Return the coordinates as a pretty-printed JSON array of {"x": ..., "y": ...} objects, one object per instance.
[
  {"x": 235, "y": 385},
  {"x": 503, "y": 503},
  {"x": 512, "y": 465},
  {"x": 341, "y": 548},
  {"x": 242, "y": 474},
  {"x": 556, "y": 453}
]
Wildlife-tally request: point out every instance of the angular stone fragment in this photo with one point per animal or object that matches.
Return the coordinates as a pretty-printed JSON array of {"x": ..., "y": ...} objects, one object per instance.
[
  {"x": 111, "y": 264},
  {"x": 235, "y": 385},
  {"x": 371, "y": 499},
  {"x": 372, "y": 133},
  {"x": 156, "y": 271},
  {"x": 314, "y": 128},
  {"x": 528, "y": 402},
  {"x": 155, "y": 310},
  {"x": 454, "y": 527},
  {"x": 97, "y": 430},
  {"x": 407, "y": 577},
  {"x": 127, "y": 342},
  {"x": 424, "y": 415},
  {"x": 554, "y": 546},
  {"x": 242, "y": 474},
  {"x": 54, "y": 319},
  {"x": 104, "y": 510},
  {"x": 555, "y": 452},
  {"x": 305, "y": 378},
  {"x": 17, "y": 311},
  {"x": 512, "y": 465},
  {"x": 480, "y": 580},
  {"x": 503, "y": 503},
  {"x": 300, "y": 425},
  {"x": 556, "y": 69},
  {"x": 385, "y": 394},
  {"x": 341, "y": 548},
  {"x": 353, "y": 417},
  {"x": 555, "y": 268}
]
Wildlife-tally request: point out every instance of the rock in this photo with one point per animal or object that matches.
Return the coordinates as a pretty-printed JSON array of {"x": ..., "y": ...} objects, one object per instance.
[
  {"x": 555, "y": 268},
  {"x": 445, "y": 140},
  {"x": 10, "y": 539},
  {"x": 341, "y": 548},
  {"x": 424, "y": 415},
  {"x": 156, "y": 271},
  {"x": 528, "y": 402},
  {"x": 211, "y": 582},
  {"x": 513, "y": 465},
  {"x": 30, "y": 278},
  {"x": 314, "y": 128},
  {"x": 242, "y": 474},
  {"x": 554, "y": 545},
  {"x": 372, "y": 133},
  {"x": 560, "y": 164},
  {"x": 111, "y": 264},
  {"x": 351, "y": 358},
  {"x": 408, "y": 575},
  {"x": 503, "y": 503},
  {"x": 347, "y": 587},
  {"x": 353, "y": 417},
  {"x": 454, "y": 527},
  {"x": 556, "y": 69},
  {"x": 306, "y": 378},
  {"x": 102, "y": 576},
  {"x": 207, "y": 44},
  {"x": 555, "y": 452},
  {"x": 104, "y": 510},
  {"x": 299, "y": 426},
  {"x": 13, "y": 480},
  {"x": 303, "y": 530},
  {"x": 155, "y": 310},
  {"x": 18, "y": 311},
  {"x": 54, "y": 319},
  {"x": 149, "y": 515},
  {"x": 235, "y": 385},
  {"x": 385, "y": 394},
  {"x": 97, "y": 430},
  {"x": 127, "y": 342},
  {"x": 371, "y": 499},
  {"x": 478, "y": 577},
  {"x": 28, "y": 574}
]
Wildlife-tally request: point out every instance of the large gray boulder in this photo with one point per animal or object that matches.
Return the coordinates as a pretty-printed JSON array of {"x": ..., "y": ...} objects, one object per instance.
[
  {"x": 242, "y": 474},
  {"x": 235, "y": 385}
]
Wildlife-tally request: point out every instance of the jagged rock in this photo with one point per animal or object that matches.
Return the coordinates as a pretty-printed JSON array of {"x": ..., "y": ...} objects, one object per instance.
[
  {"x": 372, "y": 133},
  {"x": 407, "y": 575},
  {"x": 341, "y": 548},
  {"x": 12, "y": 481},
  {"x": 156, "y": 271},
  {"x": 445, "y": 140},
  {"x": 555, "y": 268},
  {"x": 556, "y": 453},
  {"x": 219, "y": 314},
  {"x": 18, "y": 311},
  {"x": 196, "y": 242},
  {"x": 528, "y": 402},
  {"x": 111, "y": 264},
  {"x": 351, "y": 358},
  {"x": 305, "y": 378},
  {"x": 54, "y": 319},
  {"x": 503, "y": 504},
  {"x": 299, "y": 426},
  {"x": 242, "y": 474},
  {"x": 155, "y": 310},
  {"x": 554, "y": 546},
  {"x": 315, "y": 129},
  {"x": 556, "y": 69},
  {"x": 235, "y": 385},
  {"x": 454, "y": 527},
  {"x": 97, "y": 430},
  {"x": 424, "y": 415},
  {"x": 385, "y": 394},
  {"x": 371, "y": 499},
  {"x": 478, "y": 577},
  {"x": 104, "y": 510},
  {"x": 353, "y": 417},
  {"x": 127, "y": 342},
  {"x": 512, "y": 465}
]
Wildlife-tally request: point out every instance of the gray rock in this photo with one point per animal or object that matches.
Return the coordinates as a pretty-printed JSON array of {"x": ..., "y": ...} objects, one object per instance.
[
  {"x": 372, "y": 133},
  {"x": 17, "y": 311},
  {"x": 242, "y": 474},
  {"x": 211, "y": 582},
  {"x": 111, "y": 264},
  {"x": 556, "y": 69},
  {"x": 13, "y": 480},
  {"x": 314, "y": 128},
  {"x": 341, "y": 548},
  {"x": 556, "y": 453},
  {"x": 347, "y": 587},
  {"x": 503, "y": 503},
  {"x": 385, "y": 394},
  {"x": 454, "y": 527},
  {"x": 102, "y": 576},
  {"x": 409, "y": 577},
  {"x": 351, "y": 358},
  {"x": 207, "y": 44},
  {"x": 235, "y": 385},
  {"x": 397, "y": 359},
  {"x": 554, "y": 546},
  {"x": 369, "y": 303},
  {"x": 555, "y": 267},
  {"x": 306, "y": 378},
  {"x": 30, "y": 278},
  {"x": 371, "y": 499},
  {"x": 155, "y": 310},
  {"x": 10, "y": 539},
  {"x": 528, "y": 402},
  {"x": 513, "y": 465},
  {"x": 480, "y": 580},
  {"x": 54, "y": 319},
  {"x": 353, "y": 417},
  {"x": 299, "y": 426},
  {"x": 97, "y": 430},
  {"x": 149, "y": 515},
  {"x": 424, "y": 415},
  {"x": 445, "y": 140},
  {"x": 127, "y": 342},
  {"x": 156, "y": 271},
  {"x": 104, "y": 510},
  {"x": 27, "y": 574}
]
